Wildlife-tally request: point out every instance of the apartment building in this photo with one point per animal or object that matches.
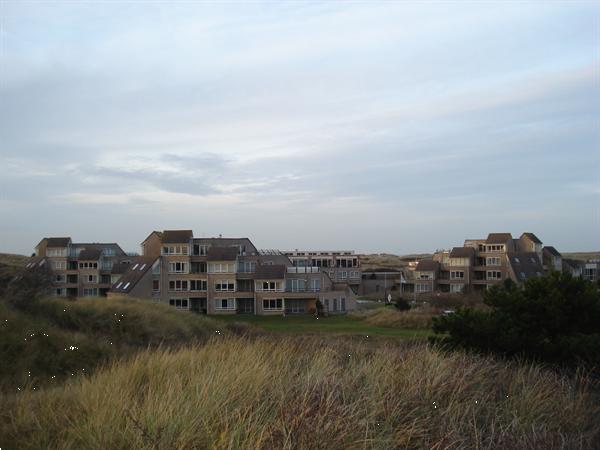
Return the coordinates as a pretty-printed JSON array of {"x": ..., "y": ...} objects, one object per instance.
[
  {"x": 80, "y": 269},
  {"x": 228, "y": 276},
  {"x": 341, "y": 266},
  {"x": 481, "y": 263}
]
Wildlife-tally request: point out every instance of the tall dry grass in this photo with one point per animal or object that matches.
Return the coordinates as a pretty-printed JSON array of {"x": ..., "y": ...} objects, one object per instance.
[
  {"x": 268, "y": 393},
  {"x": 392, "y": 317}
]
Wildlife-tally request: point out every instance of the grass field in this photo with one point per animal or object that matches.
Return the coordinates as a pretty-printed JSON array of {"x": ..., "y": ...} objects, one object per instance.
[
  {"x": 337, "y": 325},
  {"x": 306, "y": 393}
]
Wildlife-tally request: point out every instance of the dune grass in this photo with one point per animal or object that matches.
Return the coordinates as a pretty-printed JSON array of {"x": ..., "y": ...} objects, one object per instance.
[
  {"x": 416, "y": 318},
  {"x": 299, "y": 393},
  {"x": 348, "y": 324},
  {"x": 58, "y": 339}
]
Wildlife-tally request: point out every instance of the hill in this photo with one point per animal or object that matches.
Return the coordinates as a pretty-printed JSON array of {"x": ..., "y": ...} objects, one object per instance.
[
  {"x": 13, "y": 260},
  {"x": 582, "y": 256}
]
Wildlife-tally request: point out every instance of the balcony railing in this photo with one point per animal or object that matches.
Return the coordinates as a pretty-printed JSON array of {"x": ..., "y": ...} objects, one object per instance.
[
  {"x": 310, "y": 289},
  {"x": 303, "y": 269}
]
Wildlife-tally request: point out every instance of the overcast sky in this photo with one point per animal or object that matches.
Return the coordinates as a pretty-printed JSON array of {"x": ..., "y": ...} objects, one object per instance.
[{"x": 397, "y": 127}]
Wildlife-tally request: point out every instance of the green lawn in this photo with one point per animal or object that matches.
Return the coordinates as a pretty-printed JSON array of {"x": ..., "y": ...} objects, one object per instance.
[{"x": 341, "y": 325}]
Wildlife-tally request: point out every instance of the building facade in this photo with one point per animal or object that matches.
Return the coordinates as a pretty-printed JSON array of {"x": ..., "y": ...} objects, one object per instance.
[
  {"x": 481, "y": 263},
  {"x": 80, "y": 269},
  {"x": 230, "y": 276}
]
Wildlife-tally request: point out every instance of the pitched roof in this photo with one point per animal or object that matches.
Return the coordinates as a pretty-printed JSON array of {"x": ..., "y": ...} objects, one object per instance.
[
  {"x": 270, "y": 271},
  {"x": 176, "y": 236},
  {"x": 498, "y": 238},
  {"x": 89, "y": 254},
  {"x": 222, "y": 253},
  {"x": 526, "y": 265},
  {"x": 158, "y": 233},
  {"x": 134, "y": 273},
  {"x": 552, "y": 250},
  {"x": 427, "y": 265},
  {"x": 532, "y": 237},
  {"x": 100, "y": 246},
  {"x": 119, "y": 268},
  {"x": 462, "y": 252},
  {"x": 36, "y": 261},
  {"x": 57, "y": 241}
]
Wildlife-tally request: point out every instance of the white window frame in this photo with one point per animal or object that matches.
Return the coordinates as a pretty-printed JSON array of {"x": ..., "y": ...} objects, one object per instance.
[{"x": 184, "y": 267}]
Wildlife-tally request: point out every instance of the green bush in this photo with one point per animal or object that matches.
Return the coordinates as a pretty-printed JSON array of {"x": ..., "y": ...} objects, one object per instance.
[{"x": 555, "y": 319}]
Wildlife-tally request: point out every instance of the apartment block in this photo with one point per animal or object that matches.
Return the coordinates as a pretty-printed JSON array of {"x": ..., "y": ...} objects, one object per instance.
[
  {"x": 341, "y": 266},
  {"x": 481, "y": 263},
  {"x": 231, "y": 276},
  {"x": 80, "y": 269}
]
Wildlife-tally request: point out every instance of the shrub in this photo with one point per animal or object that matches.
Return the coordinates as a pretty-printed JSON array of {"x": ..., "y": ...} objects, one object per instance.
[
  {"x": 402, "y": 304},
  {"x": 555, "y": 318}
]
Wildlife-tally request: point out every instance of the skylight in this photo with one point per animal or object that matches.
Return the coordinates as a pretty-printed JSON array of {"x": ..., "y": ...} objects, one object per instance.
[
  {"x": 134, "y": 267},
  {"x": 126, "y": 286},
  {"x": 143, "y": 265},
  {"x": 118, "y": 285}
]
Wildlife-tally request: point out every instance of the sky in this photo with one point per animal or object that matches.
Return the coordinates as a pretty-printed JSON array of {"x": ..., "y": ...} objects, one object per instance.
[{"x": 381, "y": 127}]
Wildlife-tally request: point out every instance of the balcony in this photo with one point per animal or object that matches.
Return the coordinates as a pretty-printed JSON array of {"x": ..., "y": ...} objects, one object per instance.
[
  {"x": 304, "y": 269},
  {"x": 303, "y": 290}
]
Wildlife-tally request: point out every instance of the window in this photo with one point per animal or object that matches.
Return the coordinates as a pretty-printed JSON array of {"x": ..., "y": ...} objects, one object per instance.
[
  {"x": 423, "y": 287},
  {"x": 493, "y": 261},
  {"x": 225, "y": 285},
  {"x": 295, "y": 285},
  {"x": 155, "y": 285},
  {"x": 91, "y": 278},
  {"x": 495, "y": 248},
  {"x": 179, "y": 303},
  {"x": 59, "y": 265},
  {"x": 178, "y": 285},
  {"x": 343, "y": 304},
  {"x": 156, "y": 267},
  {"x": 142, "y": 266},
  {"x": 494, "y": 275},
  {"x": 118, "y": 285},
  {"x": 273, "y": 304},
  {"x": 126, "y": 286},
  {"x": 198, "y": 285},
  {"x": 457, "y": 275},
  {"x": 455, "y": 288},
  {"x": 134, "y": 267},
  {"x": 424, "y": 276},
  {"x": 517, "y": 260},
  {"x": 225, "y": 303},
  {"x": 108, "y": 252},
  {"x": 178, "y": 267},
  {"x": 59, "y": 278},
  {"x": 335, "y": 304},
  {"x": 56, "y": 252},
  {"x": 175, "y": 250},
  {"x": 327, "y": 304},
  {"x": 344, "y": 275},
  {"x": 247, "y": 266},
  {"x": 316, "y": 285},
  {"x": 60, "y": 292},
  {"x": 90, "y": 292},
  {"x": 221, "y": 268},
  {"x": 107, "y": 265},
  {"x": 522, "y": 275},
  {"x": 199, "y": 250},
  {"x": 269, "y": 286}
]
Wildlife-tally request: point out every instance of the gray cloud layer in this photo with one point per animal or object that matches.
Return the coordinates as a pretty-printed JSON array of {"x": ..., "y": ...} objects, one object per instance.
[{"x": 397, "y": 127}]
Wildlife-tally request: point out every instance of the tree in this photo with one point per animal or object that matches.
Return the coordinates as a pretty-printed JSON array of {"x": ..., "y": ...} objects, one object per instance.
[
  {"x": 555, "y": 318},
  {"x": 25, "y": 289}
]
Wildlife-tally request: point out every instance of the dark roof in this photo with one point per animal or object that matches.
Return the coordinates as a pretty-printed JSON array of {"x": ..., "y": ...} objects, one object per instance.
[
  {"x": 526, "y": 265},
  {"x": 270, "y": 271},
  {"x": 574, "y": 263},
  {"x": 533, "y": 237},
  {"x": 119, "y": 268},
  {"x": 462, "y": 252},
  {"x": 227, "y": 242},
  {"x": 89, "y": 254},
  {"x": 176, "y": 236},
  {"x": 552, "y": 250},
  {"x": 134, "y": 273},
  {"x": 36, "y": 261},
  {"x": 222, "y": 253},
  {"x": 100, "y": 246},
  {"x": 58, "y": 241},
  {"x": 498, "y": 238},
  {"x": 427, "y": 265}
]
